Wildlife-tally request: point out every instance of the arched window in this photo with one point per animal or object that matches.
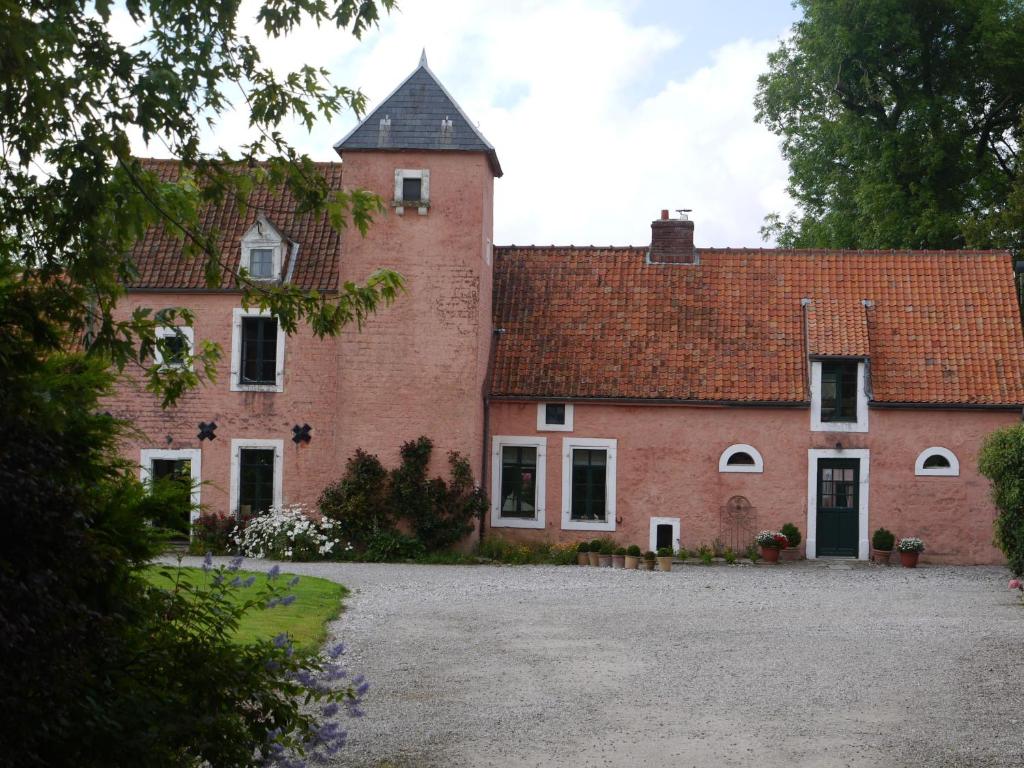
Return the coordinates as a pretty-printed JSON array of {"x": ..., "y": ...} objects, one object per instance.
[
  {"x": 740, "y": 458},
  {"x": 937, "y": 461}
]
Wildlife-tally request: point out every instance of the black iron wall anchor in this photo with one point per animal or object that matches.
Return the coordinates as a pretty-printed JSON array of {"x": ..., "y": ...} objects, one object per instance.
[
  {"x": 301, "y": 434},
  {"x": 206, "y": 430}
]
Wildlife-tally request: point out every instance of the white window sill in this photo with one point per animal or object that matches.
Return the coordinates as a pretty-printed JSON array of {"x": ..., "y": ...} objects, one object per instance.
[
  {"x": 516, "y": 522},
  {"x": 589, "y": 525}
]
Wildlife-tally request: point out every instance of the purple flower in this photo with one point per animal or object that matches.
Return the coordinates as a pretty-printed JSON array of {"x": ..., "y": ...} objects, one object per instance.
[
  {"x": 207, "y": 561},
  {"x": 331, "y": 709},
  {"x": 236, "y": 582},
  {"x": 235, "y": 564},
  {"x": 287, "y": 599},
  {"x": 274, "y": 572},
  {"x": 336, "y": 651},
  {"x": 249, "y": 582},
  {"x": 281, "y": 640},
  {"x": 294, "y": 581}
]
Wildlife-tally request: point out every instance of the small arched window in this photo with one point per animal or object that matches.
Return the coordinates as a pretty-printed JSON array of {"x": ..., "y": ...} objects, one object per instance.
[
  {"x": 937, "y": 461},
  {"x": 740, "y": 458}
]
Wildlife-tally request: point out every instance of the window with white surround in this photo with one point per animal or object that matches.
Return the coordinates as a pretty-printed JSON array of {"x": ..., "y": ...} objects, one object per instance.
[
  {"x": 588, "y": 484},
  {"x": 257, "y": 351},
  {"x": 554, "y": 417},
  {"x": 175, "y": 345},
  {"x": 412, "y": 190},
  {"x": 740, "y": 458},
  {"x": 182, "y": 463},
  {"x": 518, "y": 476},
  {"x": 839, "y": 401},
  {"x": 937, "y": 462},
  {"x": 262, "y": 251},
  {"x": 256, "y": 475}
]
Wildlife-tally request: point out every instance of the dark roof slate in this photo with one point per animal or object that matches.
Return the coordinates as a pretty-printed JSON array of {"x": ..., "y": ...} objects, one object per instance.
[{"x": 418, "y": 113}]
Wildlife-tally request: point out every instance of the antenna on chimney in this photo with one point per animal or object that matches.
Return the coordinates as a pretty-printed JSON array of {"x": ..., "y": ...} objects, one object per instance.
[{"x": 683, "y": 213}]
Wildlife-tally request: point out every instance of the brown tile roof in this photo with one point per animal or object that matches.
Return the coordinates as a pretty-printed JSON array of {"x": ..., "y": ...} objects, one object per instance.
[
  {"x": 161, "y": 265},
  {"x": 601, "y": 323}
]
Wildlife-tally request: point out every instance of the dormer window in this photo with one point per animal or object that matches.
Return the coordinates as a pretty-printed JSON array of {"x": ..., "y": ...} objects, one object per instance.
[
  {"x": 262, "y": 251},
  {"x": 839, "y": 395},
  {"x": 412, "y": 190}
]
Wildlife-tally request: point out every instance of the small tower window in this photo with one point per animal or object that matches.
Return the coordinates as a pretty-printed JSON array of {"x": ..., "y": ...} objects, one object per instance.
[
  {"x": 411, "y": 190},
  {"x": 261, "y": 262}
]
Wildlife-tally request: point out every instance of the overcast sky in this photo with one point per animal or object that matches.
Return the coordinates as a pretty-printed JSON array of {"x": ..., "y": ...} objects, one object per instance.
[{"x": 602, "y": 112}]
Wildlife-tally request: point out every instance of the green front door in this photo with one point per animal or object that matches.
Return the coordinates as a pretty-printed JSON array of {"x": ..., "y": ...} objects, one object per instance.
[{"x": 838, "y": 507}]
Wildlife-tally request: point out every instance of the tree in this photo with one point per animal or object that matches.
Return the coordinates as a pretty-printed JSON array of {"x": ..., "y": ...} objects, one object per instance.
[
  {"x": 1002, "y": 461},
  {"x": 77, "y": 625},
  {"x": 901, "y": 122}
]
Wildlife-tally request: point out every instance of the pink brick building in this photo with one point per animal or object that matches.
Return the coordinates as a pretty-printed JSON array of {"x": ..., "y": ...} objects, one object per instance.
[{"x": 662, "y": 395}]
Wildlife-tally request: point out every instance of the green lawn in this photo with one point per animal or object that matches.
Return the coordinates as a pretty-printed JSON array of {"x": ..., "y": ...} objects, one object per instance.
[{"x": 317, "y": 601}]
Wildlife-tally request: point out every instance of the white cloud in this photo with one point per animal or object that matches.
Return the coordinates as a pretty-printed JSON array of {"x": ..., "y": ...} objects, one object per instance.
[{"x": 592, "y": 140}]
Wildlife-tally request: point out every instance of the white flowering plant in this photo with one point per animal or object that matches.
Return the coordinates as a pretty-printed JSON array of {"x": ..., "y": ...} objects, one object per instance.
[
  {"x": 771, "y": 540},
  {"x": 289, "y": 533},
  {"x": 910, "y": 544}
]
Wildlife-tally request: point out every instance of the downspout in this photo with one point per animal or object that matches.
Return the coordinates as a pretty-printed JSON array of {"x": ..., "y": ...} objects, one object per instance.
[
  {"x": 291, "y": 262},
  {"x": 486, "y": 396}
]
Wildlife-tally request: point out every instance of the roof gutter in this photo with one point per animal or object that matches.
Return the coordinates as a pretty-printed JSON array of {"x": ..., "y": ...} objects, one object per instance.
[
  {"x": 656, "y": 401},
  {"x": 948, "y": 406}
]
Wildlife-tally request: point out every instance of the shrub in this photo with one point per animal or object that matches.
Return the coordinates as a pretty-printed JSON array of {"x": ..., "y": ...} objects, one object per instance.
[
  {"x": 771, "y": 540},
  {"x": 288, "y": 533},
  {"x": 664, "y": 551},
  {"x": 883, "y": 539},
  {"x": 792, "y": 534},
  {"x": 706, "y": 555},
  {"x": 620, "y": 551},
  {"x": 595, "y": 545},
  {"x": 1002, "y": 461},
  {"x": 704, "y": 551},
  {"x": 729, "y": 555},
  {"x": 358, "y": 503},
  {"x": 910, "y": 544},
  {"x": 388, "y": 546},
  {"x": 213, "y": 534},
  {"x": 648, "y": 555},
  {"x": 633, "y": 550},
  {"x": 607, "y": 547},
  {"x": 752, "y": 554},
  {"x": 497, "y": 548},
  {"x": 583, "y": 547}
]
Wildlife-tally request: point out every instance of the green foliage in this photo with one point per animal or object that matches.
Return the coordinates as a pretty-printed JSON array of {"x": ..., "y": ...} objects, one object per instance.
[
  {"x": 792, "y": 534},
  {"x": 729, "y": 555},
  {"x": 359, "y": 503},
  {"x": 620, "y": 551},
  {"x": 752, "y": 554},
  {"x": 900, "y": 122},
  {"x": 213, "y": 534},
  {"x": 388, "y": 546},
  {"x": 526, "y": 553},
  {"x": 706, "y": 554},
  {"x": 664, "y": 551},
  {"x": 648, "y": 555},
  {"x": 883, "y": 539},
  {"x": 595, "y": 545},
  {"x": 583, "y": 547},
  {"x": 1002, "y": 461},
  {"x": 607, "y": 547},
  {"x": 633, "y": 550}
]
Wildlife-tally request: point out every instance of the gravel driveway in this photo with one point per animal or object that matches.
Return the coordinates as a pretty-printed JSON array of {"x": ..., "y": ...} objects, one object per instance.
[{"x": 806, "y": 665}]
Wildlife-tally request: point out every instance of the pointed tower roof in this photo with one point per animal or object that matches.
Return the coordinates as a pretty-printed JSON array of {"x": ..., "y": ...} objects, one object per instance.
[{"x": 419, "y": 114}]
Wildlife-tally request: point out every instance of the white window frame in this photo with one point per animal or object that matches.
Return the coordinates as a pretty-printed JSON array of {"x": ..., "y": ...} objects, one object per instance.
[
  {"x": 237, "y": 445},
  {"x": 953, "y": 470},
  {"x": 401, "y": 174},
  {"x": 611, "y": 446},
  {"x": 732, "y": 450},
  {"x": 170, "y": 331},
  {"x": 236, "y": 353},
  {"x": 195, "y": 458},
  {"x": 263, "y": 234},
  {"x": 863, "y": 491},
  {"x": 542, "y": 417},
  {"x": 676, "y": 536},
  {"x": 817, "y": 425},
  {"x": 540, "y": 483}
]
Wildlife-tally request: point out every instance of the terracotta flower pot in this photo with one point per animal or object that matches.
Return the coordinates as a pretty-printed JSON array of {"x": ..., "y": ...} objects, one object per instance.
[
  {"x": 909, "y": 559},
  {"x": 665, "y": 564},
  {"x": 618, "y": 561},
  {"x": 791, "y": 554},
  {"x": 632, "y": 562},
  {"x": 592, "y": 557},
  {"x": 770, "y": 554},
  {"x": 881, "y": 556},
  {"x": 582, "y": 558},
  {"x": 646, "y": 565},
  {"x": 605, "y": 561}
]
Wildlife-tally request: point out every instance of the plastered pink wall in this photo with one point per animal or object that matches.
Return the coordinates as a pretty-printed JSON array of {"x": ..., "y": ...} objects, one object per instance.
[
  {"x": 418, "y": 368},
  {"x": 667, "y": 466},
  {"x": 308, "y": 361}
]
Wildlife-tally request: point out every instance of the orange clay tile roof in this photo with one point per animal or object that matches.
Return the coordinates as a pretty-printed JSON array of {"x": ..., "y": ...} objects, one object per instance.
[
  {"x": 161, "y": 265},
  {"x": 944, "y": 327}
]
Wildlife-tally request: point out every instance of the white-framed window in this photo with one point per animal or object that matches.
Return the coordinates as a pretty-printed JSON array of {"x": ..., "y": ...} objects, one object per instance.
[
  {"x": 257, "y": 351},
  {"x": 554, "y": 417},
  {"x": 937, "y": 462},
  {"x": 518, "y": 481},
  {"x": 740, "y": 458},
  {"x": 177, "y": 345},
  {"x": 262, "y": 250},
  {"x": 412, "y": 190},
  {"x": 839, "y": 400},
  {"x": 181, "y": 463},
  {"x": 257, "y": 469},
  {"x": 588, "y": 483}
]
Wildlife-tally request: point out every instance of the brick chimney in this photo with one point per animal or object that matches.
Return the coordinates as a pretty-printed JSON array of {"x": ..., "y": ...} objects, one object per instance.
[{"x": 672, "y": 240}]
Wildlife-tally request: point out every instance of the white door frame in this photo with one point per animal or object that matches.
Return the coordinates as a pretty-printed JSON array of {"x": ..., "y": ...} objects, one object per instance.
[
  {"x": 655, "y": 522},
  {"x": 863, "y": 455}
]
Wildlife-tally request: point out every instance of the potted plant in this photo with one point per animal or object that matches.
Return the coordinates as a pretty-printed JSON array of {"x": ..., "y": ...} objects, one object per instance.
[
  {"x": 632, "y": 557},
  {"x": 771, "y": 543},
  {"x": 793, "y": 539},
  {"x": 583, "y": 553},
  {"x": 882, "y": 541},
  {"x": 648, "y": 561},
  {"x": 594, "y": 552},
  {"x": 665, "y": 559},
  {"x": 619, "y": 557},
  {"x": 604, "y": 557},
  {"x": 910, "y": 549}
]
